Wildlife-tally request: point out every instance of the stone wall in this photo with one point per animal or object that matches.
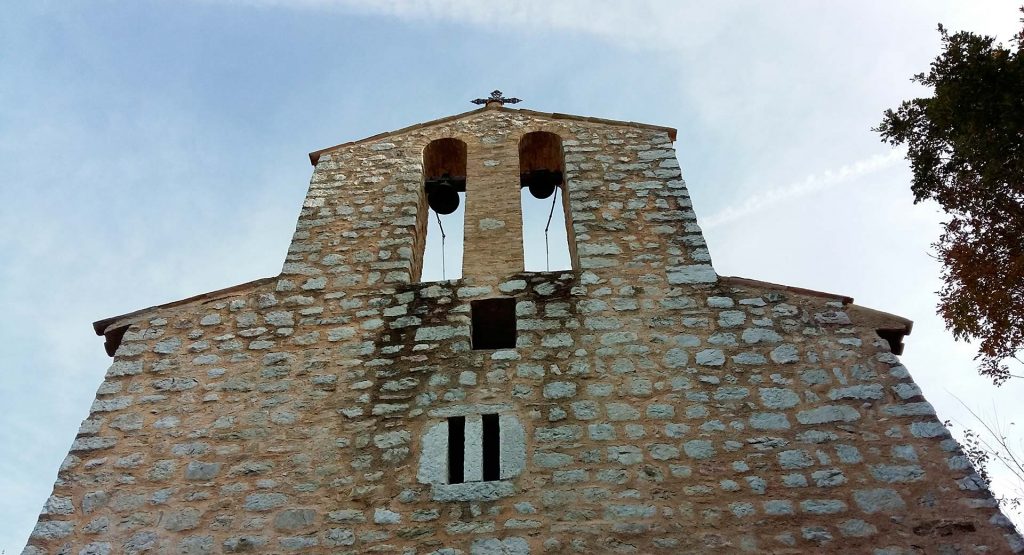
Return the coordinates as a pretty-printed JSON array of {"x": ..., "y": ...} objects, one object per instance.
[
  {"x": 628, "y": 204},
  {"x": 664, "y": 409}
]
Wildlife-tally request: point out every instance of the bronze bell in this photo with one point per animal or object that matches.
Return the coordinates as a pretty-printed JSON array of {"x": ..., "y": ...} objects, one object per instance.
[
  {"x": 542, "y": 190},
  {"x": 541, "y": 183},
  {"x": 443, "y": 193}
]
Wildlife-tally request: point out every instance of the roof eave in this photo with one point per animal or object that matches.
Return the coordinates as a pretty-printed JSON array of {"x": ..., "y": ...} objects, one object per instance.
[
  {"x": 314, "y": 156},
  {"x": 102, "y": 326},
  {"x": 862, "y": 315}
]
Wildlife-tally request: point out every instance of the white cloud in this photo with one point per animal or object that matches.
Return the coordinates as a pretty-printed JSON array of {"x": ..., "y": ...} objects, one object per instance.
[
  {"x": 811, "y": 184},
  {"x": 635, "y": 24}
]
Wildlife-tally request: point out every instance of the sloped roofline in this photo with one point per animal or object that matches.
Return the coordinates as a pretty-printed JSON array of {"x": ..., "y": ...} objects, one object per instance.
[
  {"x": 113, "y": 328},
  {"x": 314, "y": 156},
  {"x": 102, "y": 326},
  {"x": 880, "y": 319},
  {"x": 799, "y": 290}
]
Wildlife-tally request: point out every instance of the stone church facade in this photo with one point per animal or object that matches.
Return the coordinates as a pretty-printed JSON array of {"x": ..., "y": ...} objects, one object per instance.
[{"x": 638, "y": 403}]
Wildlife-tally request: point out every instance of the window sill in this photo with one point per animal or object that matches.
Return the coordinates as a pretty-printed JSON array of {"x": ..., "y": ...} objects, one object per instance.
[{"x": 473, "y": 491}]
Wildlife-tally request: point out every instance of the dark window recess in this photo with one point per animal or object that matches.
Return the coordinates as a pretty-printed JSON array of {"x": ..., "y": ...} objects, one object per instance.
[
  {"x": 492, "y": 447},
  {"x": 494, "y": 323},
  {"x": 113, "y": 339},
  {"x": 456, "y": 449},
  {"x": 894, "y": 338}
]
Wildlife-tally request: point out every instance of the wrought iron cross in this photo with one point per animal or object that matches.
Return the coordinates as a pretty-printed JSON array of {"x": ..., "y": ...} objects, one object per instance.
[{"x": 496, "y": 97}]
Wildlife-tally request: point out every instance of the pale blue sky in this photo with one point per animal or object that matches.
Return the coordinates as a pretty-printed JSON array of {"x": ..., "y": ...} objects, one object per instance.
[{"x": 152, "y": 150}]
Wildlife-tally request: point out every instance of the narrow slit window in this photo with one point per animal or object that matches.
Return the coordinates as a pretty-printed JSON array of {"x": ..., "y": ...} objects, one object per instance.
[
  {"x": 492, "y": 448},
  {"x": 456, "y": 449},
  {"x": 494, "y": 323},
  {"x": 547, "y": 232},
  {"x": 460, "y": 452},
  {"x": 441, "y": 214}
]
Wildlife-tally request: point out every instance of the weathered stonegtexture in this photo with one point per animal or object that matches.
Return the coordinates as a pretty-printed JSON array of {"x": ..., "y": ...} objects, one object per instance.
[{"x": 663, "y": 409}]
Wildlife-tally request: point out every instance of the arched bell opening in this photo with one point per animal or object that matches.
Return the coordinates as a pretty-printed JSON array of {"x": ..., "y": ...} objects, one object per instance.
[
  {"x": 442, "y": 209},
  {"x": 547, "y": 231}
]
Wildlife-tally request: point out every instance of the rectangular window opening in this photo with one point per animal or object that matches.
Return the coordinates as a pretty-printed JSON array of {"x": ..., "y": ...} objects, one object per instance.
[
  {"x": 492, "y": 447},
  {"x": 494, "y": 323},
  {"x": 456, "y": 449}
]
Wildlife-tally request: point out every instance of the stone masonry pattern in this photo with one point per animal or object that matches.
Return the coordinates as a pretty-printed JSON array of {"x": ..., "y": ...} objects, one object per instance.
[{"x": 665, "y": 409}]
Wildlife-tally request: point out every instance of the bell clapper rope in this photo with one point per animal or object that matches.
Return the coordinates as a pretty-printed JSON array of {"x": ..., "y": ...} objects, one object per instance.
[
  {"x": 441, "y": 227},
  {"x": 547, "y": 255}
]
